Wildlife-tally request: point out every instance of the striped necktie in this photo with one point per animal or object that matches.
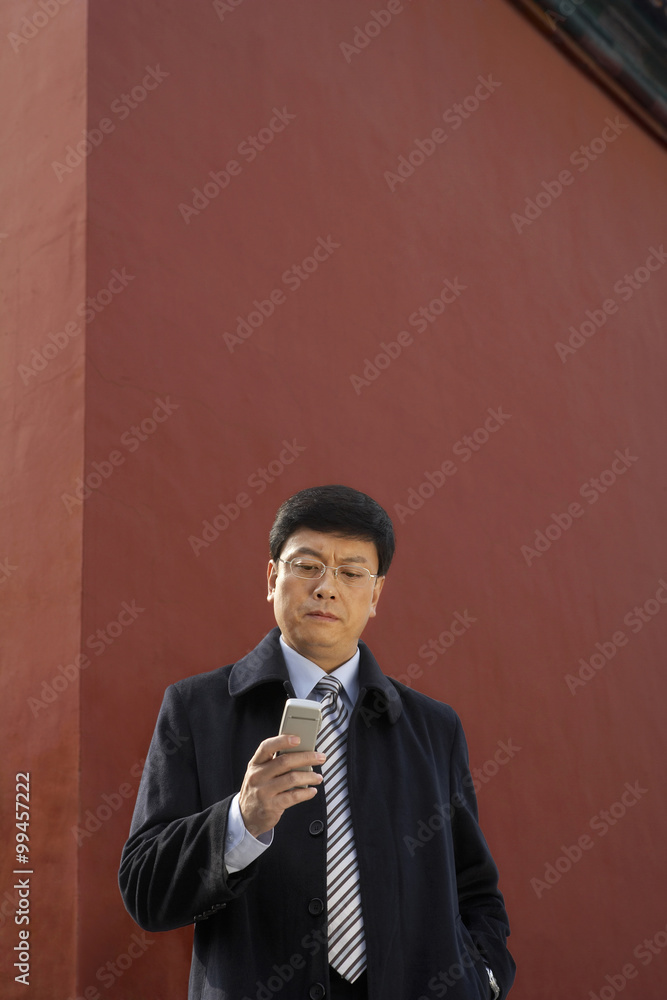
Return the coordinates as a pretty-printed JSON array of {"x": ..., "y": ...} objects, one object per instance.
[{"x": 347, "y": 946}]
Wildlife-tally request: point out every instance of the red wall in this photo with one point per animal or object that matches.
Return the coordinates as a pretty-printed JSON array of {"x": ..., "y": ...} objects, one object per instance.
[
  {"x": 179, "y": 420},
  {"x": 42, "y": 277}
]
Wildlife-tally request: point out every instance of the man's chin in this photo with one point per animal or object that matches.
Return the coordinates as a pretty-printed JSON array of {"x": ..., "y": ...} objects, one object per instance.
[
  {"x": 314, "y": 639},
  {"x": 311, "y": 637}
]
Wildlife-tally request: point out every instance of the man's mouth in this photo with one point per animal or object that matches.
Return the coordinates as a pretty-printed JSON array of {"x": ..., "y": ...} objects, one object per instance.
[{"x": 323, "y": 615}]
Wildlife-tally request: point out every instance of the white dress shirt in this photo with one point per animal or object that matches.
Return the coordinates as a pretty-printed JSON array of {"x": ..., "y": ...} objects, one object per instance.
[{"x": 240, "y": 846}]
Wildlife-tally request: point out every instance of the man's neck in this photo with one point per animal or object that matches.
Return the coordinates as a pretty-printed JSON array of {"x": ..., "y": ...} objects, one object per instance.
[{"x": 327, "y": 663}]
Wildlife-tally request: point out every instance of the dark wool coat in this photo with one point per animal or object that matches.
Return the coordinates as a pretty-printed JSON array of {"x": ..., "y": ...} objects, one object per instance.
[{"x": 431, "y": 905}]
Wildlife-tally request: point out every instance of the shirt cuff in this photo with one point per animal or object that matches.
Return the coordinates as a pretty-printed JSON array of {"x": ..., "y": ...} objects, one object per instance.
[{"x": 241, "y": 848}]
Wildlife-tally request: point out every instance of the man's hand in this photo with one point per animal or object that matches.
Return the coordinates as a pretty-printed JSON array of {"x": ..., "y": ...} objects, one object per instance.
[{"x": 271, "y": 785}]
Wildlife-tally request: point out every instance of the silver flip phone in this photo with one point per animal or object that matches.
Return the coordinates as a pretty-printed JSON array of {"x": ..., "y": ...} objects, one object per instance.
[{"x": 301, "y": 717}]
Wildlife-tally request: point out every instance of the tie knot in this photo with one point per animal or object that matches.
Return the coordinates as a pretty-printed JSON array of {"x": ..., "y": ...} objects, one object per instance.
[{"x": 329, "y": 686}]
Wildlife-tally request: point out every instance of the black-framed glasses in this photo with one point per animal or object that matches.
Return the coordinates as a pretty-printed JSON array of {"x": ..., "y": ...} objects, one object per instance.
[{"x": 313, "y": 569}]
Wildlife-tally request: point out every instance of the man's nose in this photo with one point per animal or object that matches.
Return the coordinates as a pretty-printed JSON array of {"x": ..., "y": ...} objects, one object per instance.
[{"x": 327, "y": 584}]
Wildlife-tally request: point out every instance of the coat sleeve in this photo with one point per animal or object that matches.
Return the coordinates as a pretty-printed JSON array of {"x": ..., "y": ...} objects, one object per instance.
[
  {"x": 481, "y": 903},
  {"x": 172, "y": 870}
]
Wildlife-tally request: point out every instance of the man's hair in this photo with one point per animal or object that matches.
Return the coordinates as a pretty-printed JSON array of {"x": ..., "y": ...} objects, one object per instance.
[{"x": 339, "y": 510}]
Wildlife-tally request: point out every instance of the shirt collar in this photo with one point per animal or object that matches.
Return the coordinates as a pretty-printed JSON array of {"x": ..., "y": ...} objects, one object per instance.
[{"x": 304, "y": 674}]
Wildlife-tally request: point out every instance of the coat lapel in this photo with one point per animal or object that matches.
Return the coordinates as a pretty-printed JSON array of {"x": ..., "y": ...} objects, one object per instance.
[{"x": 266, "y": 663}]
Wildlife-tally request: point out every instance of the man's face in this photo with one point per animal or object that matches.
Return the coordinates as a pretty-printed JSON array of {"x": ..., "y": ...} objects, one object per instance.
[{"x": 323, "y": 619}]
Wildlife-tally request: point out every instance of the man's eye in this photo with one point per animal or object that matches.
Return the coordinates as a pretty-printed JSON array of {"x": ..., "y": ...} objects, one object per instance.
[
  {"x": 352, "y": 574},
  {"x": 306, "y": 566}
]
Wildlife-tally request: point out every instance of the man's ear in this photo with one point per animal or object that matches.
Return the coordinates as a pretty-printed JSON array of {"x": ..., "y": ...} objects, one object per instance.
[
  {"x": 377, "y": 589},
  {"x": 271, "y": 574}
]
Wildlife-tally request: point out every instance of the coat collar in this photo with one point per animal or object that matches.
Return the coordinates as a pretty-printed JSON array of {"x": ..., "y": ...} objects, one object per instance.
[{"x": 266, "y": 663}]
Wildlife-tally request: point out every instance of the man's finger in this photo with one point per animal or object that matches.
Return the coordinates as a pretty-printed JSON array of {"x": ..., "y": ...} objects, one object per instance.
[
  {"x": 268, "y": 748},
  {"x": 293, "y": 796},
  {"x": 294, "y": 779},
  {"x": 287, "y": 762}
]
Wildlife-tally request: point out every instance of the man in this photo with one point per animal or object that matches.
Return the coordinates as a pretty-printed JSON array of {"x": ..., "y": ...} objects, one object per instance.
[{"x": 314, "y": 883}]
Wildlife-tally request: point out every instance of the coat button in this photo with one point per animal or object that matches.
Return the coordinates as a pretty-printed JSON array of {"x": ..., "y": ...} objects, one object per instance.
[
  {"x": 316, "y": 991},
  {"x": 316, "y": 827},
  {"x": 315, "y": 907}
]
